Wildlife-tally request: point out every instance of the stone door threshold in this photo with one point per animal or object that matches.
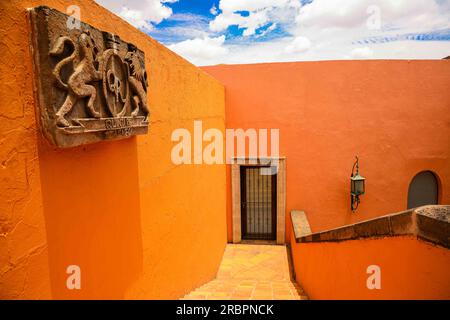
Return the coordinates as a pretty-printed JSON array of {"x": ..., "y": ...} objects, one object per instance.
[{"x": 268, "y": 242}]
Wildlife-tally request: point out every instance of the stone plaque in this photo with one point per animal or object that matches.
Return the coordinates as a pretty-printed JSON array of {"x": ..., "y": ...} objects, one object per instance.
[{"x": 91, "y": 85}]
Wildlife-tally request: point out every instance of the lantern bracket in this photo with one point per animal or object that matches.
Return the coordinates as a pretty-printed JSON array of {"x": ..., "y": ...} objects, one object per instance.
[{"x": 356, "y": 186}]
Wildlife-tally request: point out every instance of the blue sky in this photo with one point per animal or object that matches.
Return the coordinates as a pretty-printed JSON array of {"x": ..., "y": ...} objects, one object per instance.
[
  {"x": 247, "y": 31},
  {"x": 192, "y": 15},
  {"x": 199, "y": 14}
]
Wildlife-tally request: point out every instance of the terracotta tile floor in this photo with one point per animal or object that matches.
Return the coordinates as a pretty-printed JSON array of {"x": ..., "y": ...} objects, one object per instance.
[{"x": 247, "y": 271}]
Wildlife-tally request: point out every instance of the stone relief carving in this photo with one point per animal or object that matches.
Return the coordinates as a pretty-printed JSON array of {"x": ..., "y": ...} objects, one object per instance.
[{"x": 91, "y": 85}]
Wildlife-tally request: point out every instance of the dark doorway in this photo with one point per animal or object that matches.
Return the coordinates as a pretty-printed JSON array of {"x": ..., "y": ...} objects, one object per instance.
[
  {"x": 423, "y": 190},
  {"x": 258, "y": 204}
]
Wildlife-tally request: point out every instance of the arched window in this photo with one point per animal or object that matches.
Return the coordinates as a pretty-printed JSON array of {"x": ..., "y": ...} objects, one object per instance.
[{"x": 423, "y": 190}]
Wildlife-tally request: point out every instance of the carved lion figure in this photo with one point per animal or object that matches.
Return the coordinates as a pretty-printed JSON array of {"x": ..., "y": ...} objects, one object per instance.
[
  {"x": 85, "y": 72},
  {"x": 138, "y": 82}
]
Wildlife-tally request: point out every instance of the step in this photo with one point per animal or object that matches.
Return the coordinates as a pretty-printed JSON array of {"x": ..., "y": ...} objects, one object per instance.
[{"x": 251, "y": 272}]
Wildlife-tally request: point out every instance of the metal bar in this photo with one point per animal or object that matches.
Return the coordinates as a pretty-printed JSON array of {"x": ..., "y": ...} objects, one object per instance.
[
  {"x": 258, "y": 212},
  {"x": 245, "y": 205},
  {"x": 249, "y": 208},
  {"x": 252, "y": 220},
  {"x": 261, "y": 205},
  {"x": 265, "y": 206},
  {"x": 258, "y": 201},
  {"x": 255, "y": 192},
  {"x": 270, "y": 206},
  {"x": 274, "y": 204},
  {"x": 266, "y": 227},
  {"x": 263, "y": 211}
]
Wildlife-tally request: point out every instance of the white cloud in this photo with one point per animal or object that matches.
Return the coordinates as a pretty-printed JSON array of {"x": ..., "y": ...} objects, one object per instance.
[
  {"x": 362, "y": 53},
  {"x": 254, "y": 21},
  {"x": 411, "y": 14},
  {"x": 214, "y": 11},
  {"x": 275, "y": 51},
  {"x": 271, "y": 27},
  {"x": 260, "y": 13},
  {"x": 139, "y": 13},
  {"x": 223, "y": 21},
  {"x": 298, "y": 45},
  {"x": 338, "y": 29},
  {"x": 201, "y": 50},
  {"x": 183, "y": 26},
  {"x": 335, "y": 13},
  {"x": 228, "y": 6}
]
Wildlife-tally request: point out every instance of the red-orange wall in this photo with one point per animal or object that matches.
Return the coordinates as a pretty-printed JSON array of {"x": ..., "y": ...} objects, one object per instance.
[
  {"x": 137, "y": 225},
  {"x": 395, "y": 115},
  {"x": 409, "y": 269}
]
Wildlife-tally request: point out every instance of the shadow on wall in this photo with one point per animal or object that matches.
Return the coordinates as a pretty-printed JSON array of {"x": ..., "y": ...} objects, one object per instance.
[{"x": 91, "y": 206}]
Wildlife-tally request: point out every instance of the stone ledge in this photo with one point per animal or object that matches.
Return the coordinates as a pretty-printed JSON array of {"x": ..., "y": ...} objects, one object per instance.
[
  {"x": 300, "y": 223},
  {"x": 429, "y": 223}
]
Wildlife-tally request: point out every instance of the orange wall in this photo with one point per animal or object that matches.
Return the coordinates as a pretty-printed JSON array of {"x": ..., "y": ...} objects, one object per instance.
[
  {"x": 410, "y": 268},
  {"x": 137, "y": 225},
  {"x": 393, "y": 114}
]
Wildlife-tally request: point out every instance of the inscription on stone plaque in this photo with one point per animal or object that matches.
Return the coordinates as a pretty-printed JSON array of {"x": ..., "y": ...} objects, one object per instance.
[{"x": 91, "y": 85}]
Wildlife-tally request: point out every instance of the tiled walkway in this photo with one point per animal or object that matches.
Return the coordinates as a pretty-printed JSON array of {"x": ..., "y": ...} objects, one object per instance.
[{"x": 247, "y": 271}]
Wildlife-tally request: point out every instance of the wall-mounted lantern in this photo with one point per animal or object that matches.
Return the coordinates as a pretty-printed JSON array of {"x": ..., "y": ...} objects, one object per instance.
[{"x": 357, "y": 185}]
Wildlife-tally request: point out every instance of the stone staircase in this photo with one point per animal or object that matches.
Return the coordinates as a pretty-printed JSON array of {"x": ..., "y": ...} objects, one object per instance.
[{"x": 251, "y": 272}]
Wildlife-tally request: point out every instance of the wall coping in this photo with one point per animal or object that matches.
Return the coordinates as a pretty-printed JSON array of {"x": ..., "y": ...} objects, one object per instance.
[{"x": 429, "y": 223}]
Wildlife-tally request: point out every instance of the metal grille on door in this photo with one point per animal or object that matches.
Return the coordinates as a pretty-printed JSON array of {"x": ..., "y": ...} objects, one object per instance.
[{"x": 258, "y": 204}]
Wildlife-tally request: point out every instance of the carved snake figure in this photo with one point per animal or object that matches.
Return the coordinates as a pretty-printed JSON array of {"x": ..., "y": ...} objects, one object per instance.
[{"x": 78, "y": 83}]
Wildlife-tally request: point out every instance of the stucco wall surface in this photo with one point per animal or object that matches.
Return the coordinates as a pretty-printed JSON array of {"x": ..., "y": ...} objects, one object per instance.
[
  {"x": 393, "y": 114},
  {"x": 132, "y": 220}
]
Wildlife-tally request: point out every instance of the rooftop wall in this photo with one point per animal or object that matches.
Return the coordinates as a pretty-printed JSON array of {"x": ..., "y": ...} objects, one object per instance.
[
  {"x": 393, "y": 114},
  {"x": 121, "y": 210},
  {"x": 402, "y": 255},
  {"x": 409, "y": 268}
]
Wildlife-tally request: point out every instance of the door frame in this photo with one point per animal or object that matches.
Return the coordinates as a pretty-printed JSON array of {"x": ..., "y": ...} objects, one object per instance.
[{"x": 279, "y": 164}]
